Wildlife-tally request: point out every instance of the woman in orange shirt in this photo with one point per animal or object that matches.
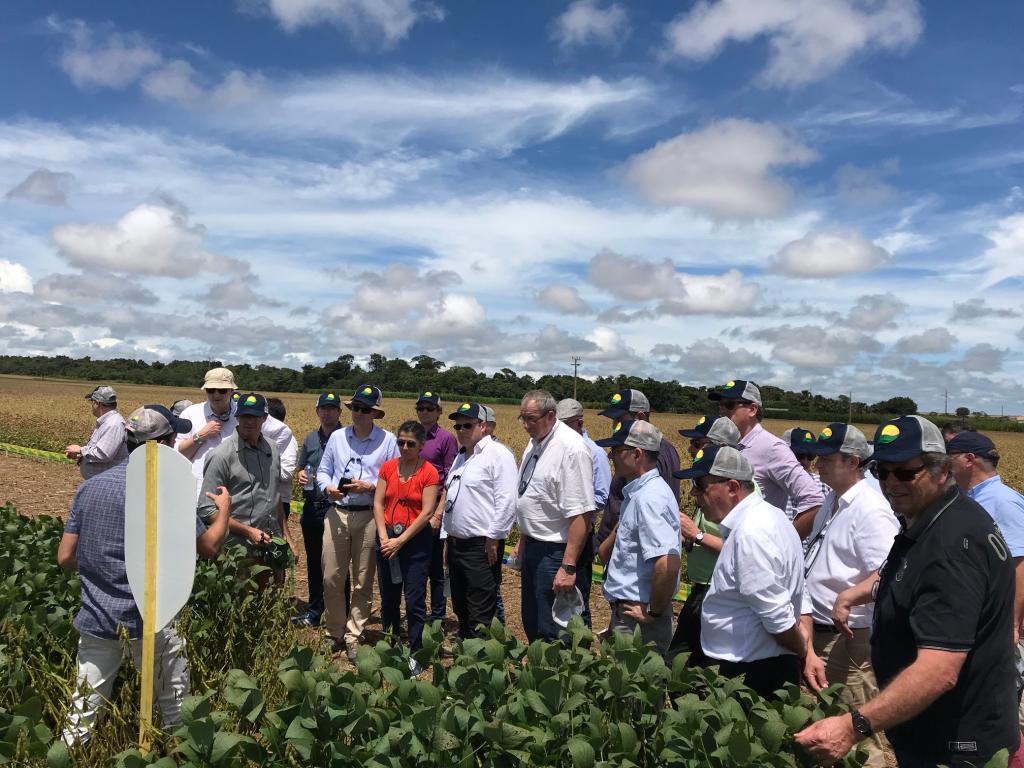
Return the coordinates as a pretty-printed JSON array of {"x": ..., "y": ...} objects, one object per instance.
[{"x": 405, "y": 498}]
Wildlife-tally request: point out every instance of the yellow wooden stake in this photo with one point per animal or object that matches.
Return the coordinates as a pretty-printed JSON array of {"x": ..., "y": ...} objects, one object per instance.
[{"x": 149, "y": 602}]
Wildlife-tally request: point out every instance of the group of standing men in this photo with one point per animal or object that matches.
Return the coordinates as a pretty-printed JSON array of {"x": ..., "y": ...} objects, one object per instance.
[{"x": 899, "y": 582}]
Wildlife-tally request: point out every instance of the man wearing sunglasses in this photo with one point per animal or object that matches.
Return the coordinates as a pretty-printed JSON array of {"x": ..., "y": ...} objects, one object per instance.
[
  {"x": 347, "y": 476},
  {"x": 750, "y": 619},
  {"x": 942, "y": 638},
  {"x": 800, "y": 441},
  {"x": 440, "y": 449},
  {"x": 479, "y": 505},
  {"x": 776, "y": 471},
  {"x": 555, "y": 493},
  {"x": 849, "y": 541}
]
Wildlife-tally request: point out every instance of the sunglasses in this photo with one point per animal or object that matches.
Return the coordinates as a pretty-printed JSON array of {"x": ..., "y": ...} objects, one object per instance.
[
  {"x": 407, "y": 443},
  {"x": 427, "y": 408},
  {"x": 903, "y": 475},
  {"x": 219, "y": 391},
  {"x": 360, "y": 409},
  {"x": 707, "y": 483},
  {"x": 464, "y": 425}
]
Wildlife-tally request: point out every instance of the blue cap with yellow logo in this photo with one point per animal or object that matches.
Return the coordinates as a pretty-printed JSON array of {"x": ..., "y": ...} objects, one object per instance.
[
  {"x": 328, "y": 400},
  {"x": 251, "y": 404},
  {"x": 370, "y": 396},
  {"x": 906, "y": 437}
]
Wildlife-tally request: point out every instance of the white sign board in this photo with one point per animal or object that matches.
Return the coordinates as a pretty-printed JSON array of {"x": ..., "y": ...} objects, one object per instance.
[{"x": 175, "y": 541}]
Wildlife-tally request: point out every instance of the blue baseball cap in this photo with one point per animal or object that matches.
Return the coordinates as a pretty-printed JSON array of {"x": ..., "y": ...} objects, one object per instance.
[
  {"x": 470, "y": 411},
  {"x": 841, "y": 438},
  {"x": 368, "y": 395},
  {"x": 251, "y": 404},
  {"x": 720, "y": 461},
  {"x": 904, "y": 438},
  {"x": 801, "y": 440},
  {"x": 434, "y": 398},
  {"x": 328, "y": 400},
  {"x": 737, "y": 389}
]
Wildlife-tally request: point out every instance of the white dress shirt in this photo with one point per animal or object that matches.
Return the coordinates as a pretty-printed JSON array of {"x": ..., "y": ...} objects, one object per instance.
[
  {"x": 850, "y": 539},
  {"x": 289, "y": 457},
  {"x": 558, "y": 473},
  {"x": 757, "y": 585},
  {"x": 347, "y": 455},
  {"x": 481, "y": 492}
]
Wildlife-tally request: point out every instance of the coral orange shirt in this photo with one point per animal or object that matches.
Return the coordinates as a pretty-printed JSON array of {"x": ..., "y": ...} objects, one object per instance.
[{"x": 403, "y": 501}]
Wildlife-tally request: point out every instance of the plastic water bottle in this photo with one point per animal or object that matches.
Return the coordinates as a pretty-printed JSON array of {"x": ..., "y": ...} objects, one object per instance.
[
  {"x": 513, "y": 562},
  {"x": 310, "y": 478},
  {"x": 395, "y": 565}
]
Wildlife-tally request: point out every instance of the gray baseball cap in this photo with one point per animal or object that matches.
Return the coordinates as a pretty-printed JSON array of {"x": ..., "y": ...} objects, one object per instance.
[
  {"x": 626, "y": 401},
  {"x": 568, "y": 409},
  {"x": 717, "y": 429},
  {"x": 638, "y": 434},
  {"x": 737, "y": 390},
  {"x": 906, "y": 437},
  {"x": 720, "y": 461},
  {"x": 103, "y": 395},
  {"x": 154, "y": 421},
  {"x": 487, "y": 414},
  {"x": 841, "y": 438}
]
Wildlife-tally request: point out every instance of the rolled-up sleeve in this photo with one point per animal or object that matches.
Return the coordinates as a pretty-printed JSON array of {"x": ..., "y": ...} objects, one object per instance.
[
  {"x": 804, "y": 491},
  {"x": 760, "y": 584},
  {"x": 659, "y": 529},
  {"x": 577, "y": 482}
]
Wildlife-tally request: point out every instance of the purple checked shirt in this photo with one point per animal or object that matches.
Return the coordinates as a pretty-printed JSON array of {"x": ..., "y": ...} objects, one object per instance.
[
  {"x": 778, "y": 473},
  {"x": 440, "y": 449}
]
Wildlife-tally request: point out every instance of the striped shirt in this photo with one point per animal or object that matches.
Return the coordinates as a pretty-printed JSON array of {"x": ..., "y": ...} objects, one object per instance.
[{"x": 107, "y": 447}]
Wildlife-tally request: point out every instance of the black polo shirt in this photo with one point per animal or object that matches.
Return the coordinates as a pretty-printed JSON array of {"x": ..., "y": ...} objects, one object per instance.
[{"x": 948, "y": 584}]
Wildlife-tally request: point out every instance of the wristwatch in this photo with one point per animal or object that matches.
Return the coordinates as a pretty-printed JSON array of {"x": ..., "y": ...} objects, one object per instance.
[
  {"x": 653, "y": 613},
  {"x": 860, "y": 723},
  {"x": 197, "y": 439},
  {"x": 699, "y": 538},
  {"x": 570, "y": 569}
]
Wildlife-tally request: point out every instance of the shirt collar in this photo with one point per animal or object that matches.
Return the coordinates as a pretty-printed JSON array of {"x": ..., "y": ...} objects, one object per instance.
[
  {"x": 747, "y": 439},
  {"x": 104, "y": 416},
  {"x": 855, "y": 490},
  {"x": 352, "y": 434},
  {"x": 538, "y": 448},
  {"x": 480, "y": 446},
  {"x": 931, "y": 512},
  {"x": 208, "y": 412},
  {"x": 994, "y": 480},
  {"x": 261, "y": 445},
  {"x": 734, "y": 519},
  {"x": 636, "y": 484},
  {"x": 432, "y": 432}
]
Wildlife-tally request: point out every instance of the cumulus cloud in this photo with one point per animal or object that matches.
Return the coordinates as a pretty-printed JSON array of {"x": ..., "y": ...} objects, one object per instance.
[
  {"x": 983, "y": 358},
  {"x": 808, "y": 40},
  {"x": 934, "y": 341},
  {"x": 1005, "y": 259},
  {"x": 111, "y": 60},
  {"x": 829, "y": 254},
  {"x": 564, "y": 299},
  {"x": 630, "y": 278},
  {"x": 389, "y": 20},
  {"x": 726, "y": 169},
  {"x": 710, "y": 359},
  {"x": 977, "y": 308},
  {"x": 585, "y": 22},
  {"x": 44, "y": 187},
  {"x": 14, "y": 277},
  {"x": 152, "y": 239},
  {"x": 817, "y": 347},
  {"x": 866, "y": 186},
  {"x": 726, "y": 294},
  {"x": 874, "y": 312},
  {"x": 175, "y": 81},
  {"x": 91, "y": 287},
  {"x": 237, "y": 294}
]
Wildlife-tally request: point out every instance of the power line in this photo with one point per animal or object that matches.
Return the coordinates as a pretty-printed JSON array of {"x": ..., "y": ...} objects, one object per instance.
[{"x": 575, "y": 374}]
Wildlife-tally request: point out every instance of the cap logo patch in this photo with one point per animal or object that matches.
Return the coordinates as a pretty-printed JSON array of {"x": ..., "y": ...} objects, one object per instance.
[
  {"x": 730, "y": 385},
  {"x": 826, "y": 433},
  {"x": 330, "y": 397},
  {"x": 889, "y": 433},
  {"x": 250, "y": 400},
  {"x": 464, "y": 407},
  {"x": 428, "y": 394},
  {"x": 808, "y": 437},
  {"x": 699, "y": 456},
  {"x": 367, "y": 391},
  {"x": 701, "y": 421},
  {"x": 616, "y": 398}
]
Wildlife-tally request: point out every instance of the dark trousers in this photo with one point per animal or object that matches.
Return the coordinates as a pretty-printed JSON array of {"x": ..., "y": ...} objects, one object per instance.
[
  {"x": 687, "y": 635},
  {"x": 414, "y": 559},
  {"x": 438, "y": 603},
  {"x": 765, "y": 676},
  {"x": 540, "y": 564},
  {"x": 474, "y": 583},
  {"x": 312, "y": 524},
  {"x": 585, "y": 576}
]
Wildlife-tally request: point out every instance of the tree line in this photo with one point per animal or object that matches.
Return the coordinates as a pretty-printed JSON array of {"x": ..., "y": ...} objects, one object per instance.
[{"x": 397, "y": 376}]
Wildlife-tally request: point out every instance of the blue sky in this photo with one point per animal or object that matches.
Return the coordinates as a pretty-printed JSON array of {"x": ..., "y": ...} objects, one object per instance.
[{"x": 820, "y": 194}]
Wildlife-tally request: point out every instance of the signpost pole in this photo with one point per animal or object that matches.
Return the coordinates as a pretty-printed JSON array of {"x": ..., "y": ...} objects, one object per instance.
[{"x": 149, "y": 601}]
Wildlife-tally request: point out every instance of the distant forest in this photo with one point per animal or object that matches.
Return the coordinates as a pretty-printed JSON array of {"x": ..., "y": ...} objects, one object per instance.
[{"x": 396, "y": 376}]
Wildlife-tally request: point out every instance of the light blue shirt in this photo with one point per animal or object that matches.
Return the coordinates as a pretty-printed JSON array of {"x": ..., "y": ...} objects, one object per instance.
[
  {"x": 348, "y": 456},
  {"x": 602, "y": 471},
  {"x": 1006, "y": 508},
  {"x": 648, "y": 529}
]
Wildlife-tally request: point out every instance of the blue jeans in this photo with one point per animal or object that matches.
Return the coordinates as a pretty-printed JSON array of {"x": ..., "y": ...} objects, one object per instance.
[
  {"x": 414, "y": 559},
  {"x": 438, "y": 602},
  {"x": 540, "y": 561}
]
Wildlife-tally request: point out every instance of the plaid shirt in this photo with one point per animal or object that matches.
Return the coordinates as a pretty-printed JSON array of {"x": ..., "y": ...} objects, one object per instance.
[
  {"x": 97, "y": 518},
  {"x": 106, "y": 447}
]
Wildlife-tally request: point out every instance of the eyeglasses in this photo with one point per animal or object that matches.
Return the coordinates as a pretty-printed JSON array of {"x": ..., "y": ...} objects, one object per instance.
[
  {"x": 360, "y": 409},
  {"x": 731, "y": 405},
  {"x": 218, "y": 391},
  {"x": 464, "y": 425},
  {"x": 421, "y": 408},
  {"x": 704, "y": 488},
  {"x": 531, "y": 418},
  {"x": 527, "y": 476},
  {"x": 407, "y": 443},
  {"x": 455, "y": 480},
  {"x": 903, "y": 475}
]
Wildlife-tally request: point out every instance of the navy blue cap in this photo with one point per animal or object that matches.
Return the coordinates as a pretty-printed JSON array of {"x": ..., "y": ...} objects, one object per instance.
[
  {"x": 701, "y": 428},
  {"x": 368, "y": 395},
  {"x": 720, "y": 461},
  {"x": 434, "y": 398},
  {"x": 634, "y": 433},
  {"x": 144, "y": 426},
  {"x": 251, "y": 404},
  {"x": 972, "y": 442},
  {"x": 801, "y": 441},
  {"x": 469, "y": 410},
  {"x": 838, "y": 437},
  {"x": 737, "y": 390},
  {"x": 328, "y": 400},
  {"x": 906, "y": 437},
  {"x": 626, "y": 401}
]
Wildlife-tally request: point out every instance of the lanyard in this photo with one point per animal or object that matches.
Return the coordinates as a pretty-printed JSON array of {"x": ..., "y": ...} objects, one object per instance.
[{"x": 814, "y": 547}]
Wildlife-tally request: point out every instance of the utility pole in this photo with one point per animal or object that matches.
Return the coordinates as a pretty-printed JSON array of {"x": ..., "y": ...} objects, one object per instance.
[
  {"x": 945, "y": 408},
  {"x": 849, "y": 416},
  {"x": 575, "y": 372}
]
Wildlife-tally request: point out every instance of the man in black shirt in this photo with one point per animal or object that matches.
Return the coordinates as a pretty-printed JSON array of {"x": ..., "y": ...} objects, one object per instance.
[{"x": 942, "y": 642}]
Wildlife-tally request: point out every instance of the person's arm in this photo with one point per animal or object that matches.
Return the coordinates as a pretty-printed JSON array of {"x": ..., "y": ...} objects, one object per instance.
[
  {"x": 66, "y": 551},
  {"x": 254, "y": 536},
  {"x": 282, "y": 522},
  {"x": 663, "y": 589},
  {"x": 188, "y": 446},
  {"x": 325, "y": 470},
  {"x": 378, "y": 513},
  {"x": 804, "y": 521},
  {"x": 107, "y": 445},
  {"x": 668, "y": 462},
  {"x": 209, "y": 543},
  {"x": 690, "y": 529},
  {"x": 1018, "y": 598},
  {"x": 814, "y": 667},
  {"x": 858, "y": 594},
  {"x": 563, "y": 582},
  {"x": 913, "y": 690},
  {"x": 793, "y": 639},
  {"x": 761, "y": 583},
  {"x": 604, "y": 550}
]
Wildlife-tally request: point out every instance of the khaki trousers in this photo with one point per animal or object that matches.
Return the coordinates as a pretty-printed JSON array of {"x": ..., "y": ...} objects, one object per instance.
[
  {"x": 348, "y": 542},
  {"x": 849, "y": 662}
]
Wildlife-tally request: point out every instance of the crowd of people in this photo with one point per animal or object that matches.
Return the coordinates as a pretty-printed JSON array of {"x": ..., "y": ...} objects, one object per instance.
[{"x": 894, "y": 566}]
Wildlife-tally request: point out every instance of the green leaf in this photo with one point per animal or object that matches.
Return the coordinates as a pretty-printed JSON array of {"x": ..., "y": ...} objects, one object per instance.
[
  {"x": 582, "y": 753},
  {"x": 57, "y": 756}
]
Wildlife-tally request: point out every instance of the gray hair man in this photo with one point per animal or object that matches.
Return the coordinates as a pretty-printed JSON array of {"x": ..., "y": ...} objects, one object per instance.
[
  {"x": 106, "y": 447},
  {"x": 942, "y": 633}
]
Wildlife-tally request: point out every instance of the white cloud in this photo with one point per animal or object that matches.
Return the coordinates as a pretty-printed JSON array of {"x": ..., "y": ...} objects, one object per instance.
[
  {"x": 974, "y": 309},
  {"x": 875, "y": 312},
  {"x": 175, "y": 81},
  {"x": 631, "y": 278},
  {"x": 152, "y": 239},
  {"x": 564, "y": 299},
  {"x": 934, "y": 341},
  {"x": 904, "y": 242},
  {"x": 724, "y": 170},
  {"x": 817, "y": 347},
  {"x": 90, "y": 288},
  {"x": 388, "y": 19},
  {"x": 44, "y": 187},
  {"x": 808, "y": 39},
  {"x": 726, "y": 294},
  {"x": 237, "y": 294},
  {"x": 1005, "y": 259},
  {"x": 585, "y": 22},
  {"x": 866, "y": 186},
  {"x": 829, "y": 254},
  {"x": 983, "y": 358},
  {"x": 14, "y": 277},
  {"x": 115, "y": 61}
]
